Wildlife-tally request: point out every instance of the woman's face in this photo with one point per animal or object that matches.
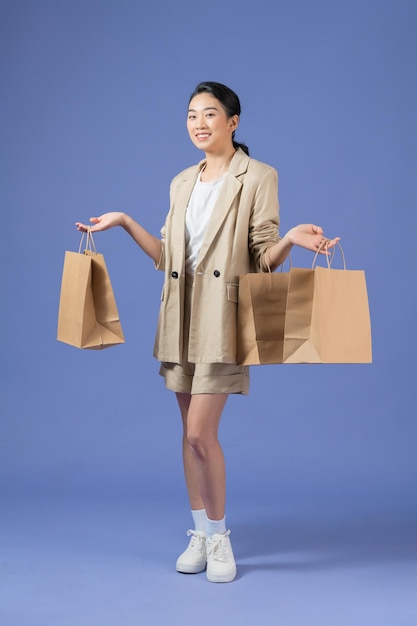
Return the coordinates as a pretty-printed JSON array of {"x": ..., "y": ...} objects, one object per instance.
[{"x": 208, "y": 125}]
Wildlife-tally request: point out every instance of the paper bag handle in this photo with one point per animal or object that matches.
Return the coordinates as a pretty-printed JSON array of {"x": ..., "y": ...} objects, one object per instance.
[
  {"x": 90, "y": 246},
  {"x": 281, "y": 265},
  {"x": 329, "y": 259}
]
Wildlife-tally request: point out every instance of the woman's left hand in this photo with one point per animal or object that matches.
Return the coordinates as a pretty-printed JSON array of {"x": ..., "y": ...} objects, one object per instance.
[{"x": 311, "y": 237}]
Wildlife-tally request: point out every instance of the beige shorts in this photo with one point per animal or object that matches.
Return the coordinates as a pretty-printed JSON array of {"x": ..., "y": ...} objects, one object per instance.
[
  {"x": 205, "y": 377},
  {"x": 197, "y": 378}
]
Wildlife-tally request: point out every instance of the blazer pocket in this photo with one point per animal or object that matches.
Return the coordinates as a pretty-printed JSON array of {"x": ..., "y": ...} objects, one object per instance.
[{"x": 232, "y": 292}]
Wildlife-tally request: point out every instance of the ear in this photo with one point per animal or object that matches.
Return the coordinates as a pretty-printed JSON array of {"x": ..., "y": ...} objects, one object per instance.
[{"x": 234, "y": 122}]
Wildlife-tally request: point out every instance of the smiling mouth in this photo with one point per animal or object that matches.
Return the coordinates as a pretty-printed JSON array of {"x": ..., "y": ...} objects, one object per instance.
[{"x": 202, "y": 135}]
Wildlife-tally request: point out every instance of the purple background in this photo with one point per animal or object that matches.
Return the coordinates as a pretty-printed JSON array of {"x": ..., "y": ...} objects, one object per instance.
[{"x": 93, "y": 111}]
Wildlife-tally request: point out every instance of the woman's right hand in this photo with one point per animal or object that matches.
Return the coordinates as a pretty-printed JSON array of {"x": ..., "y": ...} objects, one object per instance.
[
  {"x": 105, "y": 221},
  {"x": 149, "y": 244}
]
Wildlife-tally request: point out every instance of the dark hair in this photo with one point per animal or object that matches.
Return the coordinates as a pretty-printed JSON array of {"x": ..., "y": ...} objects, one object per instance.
[{"x": 228, "y": 99}]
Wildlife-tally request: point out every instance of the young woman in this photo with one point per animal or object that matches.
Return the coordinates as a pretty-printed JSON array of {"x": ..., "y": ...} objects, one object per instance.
[{"x": 223, "y": 222}]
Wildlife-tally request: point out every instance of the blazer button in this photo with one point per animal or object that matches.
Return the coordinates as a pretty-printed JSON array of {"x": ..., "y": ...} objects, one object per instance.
[
  {"x": 174, "y": 274},
  {"x": 216, "y": 273}
]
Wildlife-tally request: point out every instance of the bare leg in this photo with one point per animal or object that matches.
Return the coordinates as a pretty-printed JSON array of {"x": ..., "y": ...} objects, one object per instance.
[{"x": 204, "y": 466}]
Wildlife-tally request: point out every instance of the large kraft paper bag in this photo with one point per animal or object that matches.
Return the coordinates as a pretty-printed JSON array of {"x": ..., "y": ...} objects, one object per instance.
[
  {"x": 88, "y": 315},
  {"x": 327, "y": 317},
  {"x": 261, "y": 318}
]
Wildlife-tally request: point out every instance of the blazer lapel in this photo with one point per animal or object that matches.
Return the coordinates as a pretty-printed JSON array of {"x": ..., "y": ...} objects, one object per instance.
[
  {"x": 228, "y": 192},
  {"x": 180, "y": 203}
]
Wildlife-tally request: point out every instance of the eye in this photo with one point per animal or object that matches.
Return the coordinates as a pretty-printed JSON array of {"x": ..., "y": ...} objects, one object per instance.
[{"x": 191, "y": 116}]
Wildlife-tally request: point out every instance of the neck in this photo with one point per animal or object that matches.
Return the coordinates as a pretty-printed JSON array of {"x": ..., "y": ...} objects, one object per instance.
[{"x": 216, "y": 166}]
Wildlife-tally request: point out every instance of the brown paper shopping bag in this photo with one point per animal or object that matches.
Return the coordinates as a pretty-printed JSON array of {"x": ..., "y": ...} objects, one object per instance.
[
  {"x": 261, "y": 318},
  {"x": 88, "y": 315},
  {"x": 327, "y": 316}
]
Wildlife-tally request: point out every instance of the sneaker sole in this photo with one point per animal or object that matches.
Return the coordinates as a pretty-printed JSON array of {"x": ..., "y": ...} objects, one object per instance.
[
  {"x": 189, "y": 569},
  {"x": 218, "y": 578}
]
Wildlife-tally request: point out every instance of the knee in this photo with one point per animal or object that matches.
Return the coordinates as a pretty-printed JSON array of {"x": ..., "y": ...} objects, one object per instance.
[{"x": 199, "y": 443}]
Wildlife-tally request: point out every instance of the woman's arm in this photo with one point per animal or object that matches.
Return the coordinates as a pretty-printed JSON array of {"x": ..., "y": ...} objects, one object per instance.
[
  {"x": 151, "y": 245},
  {"x": 307, "y": 236}
]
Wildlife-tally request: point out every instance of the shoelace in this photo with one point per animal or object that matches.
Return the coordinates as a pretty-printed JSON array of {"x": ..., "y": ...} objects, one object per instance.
[
  {"x": 197, "y": 541},
  {"x": 218, "y": 549}
]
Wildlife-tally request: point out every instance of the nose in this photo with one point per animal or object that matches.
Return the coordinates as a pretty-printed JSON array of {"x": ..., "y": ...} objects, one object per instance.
[{"x": 200, "y": 121}]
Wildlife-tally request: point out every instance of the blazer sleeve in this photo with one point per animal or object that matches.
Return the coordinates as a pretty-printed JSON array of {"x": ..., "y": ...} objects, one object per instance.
[
  {"x": 264, "y": 219},
  {"x": 160, "y": 264}
]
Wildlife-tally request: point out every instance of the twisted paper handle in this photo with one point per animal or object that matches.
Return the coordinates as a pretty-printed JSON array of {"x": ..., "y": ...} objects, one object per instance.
[
  {"x": 90, "y": 246},
  {"x": 329, "y": 258}
]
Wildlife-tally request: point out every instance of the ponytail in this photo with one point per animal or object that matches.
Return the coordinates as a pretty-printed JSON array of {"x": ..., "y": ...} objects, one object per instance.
[{"x": 242, "y": 146}]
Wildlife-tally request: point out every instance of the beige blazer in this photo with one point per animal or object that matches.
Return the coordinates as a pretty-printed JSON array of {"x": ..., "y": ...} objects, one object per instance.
[{"x": 243, "y": 225}]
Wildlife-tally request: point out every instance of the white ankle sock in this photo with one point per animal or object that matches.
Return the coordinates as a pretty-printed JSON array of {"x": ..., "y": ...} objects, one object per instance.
[
  {"x": 216, "y": 527},
  {"x": 200, "y": 520}
]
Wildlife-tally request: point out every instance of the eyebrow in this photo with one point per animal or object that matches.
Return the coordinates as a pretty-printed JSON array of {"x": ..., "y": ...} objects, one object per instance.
[{"x": 205, "y": 109}]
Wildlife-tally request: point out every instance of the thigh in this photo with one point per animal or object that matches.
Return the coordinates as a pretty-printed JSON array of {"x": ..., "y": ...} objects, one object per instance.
[{"x": 204, "y": 413}]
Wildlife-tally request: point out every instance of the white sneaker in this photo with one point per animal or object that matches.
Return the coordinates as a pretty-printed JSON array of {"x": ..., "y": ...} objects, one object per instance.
[
  {"x": 193, "y": 560},
  {"x": 221, "y": 566}
]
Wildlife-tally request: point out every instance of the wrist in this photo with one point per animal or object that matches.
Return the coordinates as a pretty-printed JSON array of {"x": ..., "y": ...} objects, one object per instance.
[
  {"x": 125, "y": 220},
  {"x": 289, "y": 238}
]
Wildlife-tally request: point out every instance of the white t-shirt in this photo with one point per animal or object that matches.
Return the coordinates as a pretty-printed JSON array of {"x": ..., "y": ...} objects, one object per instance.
[{"x": 199, "y": 210}]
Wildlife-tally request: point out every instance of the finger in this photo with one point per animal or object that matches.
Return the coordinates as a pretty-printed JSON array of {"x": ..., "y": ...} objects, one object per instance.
[
  {"x": 322, "y": 244},
  {"x": 81, "y": 226},
  {"x": 333, "y": 242}
]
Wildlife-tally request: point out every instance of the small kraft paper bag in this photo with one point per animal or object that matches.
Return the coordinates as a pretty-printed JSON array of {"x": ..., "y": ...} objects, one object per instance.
[
  {"x": 327, "y": 316},
  {"x": 261, "y": 318},
  {"x": 88, "y": 315}
]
